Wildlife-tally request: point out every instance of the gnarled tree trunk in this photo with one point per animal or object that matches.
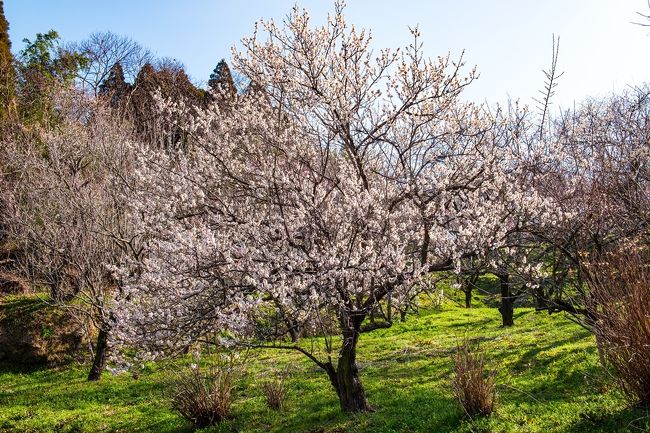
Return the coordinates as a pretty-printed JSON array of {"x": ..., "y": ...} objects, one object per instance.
[{"x": 345, "y": 378}]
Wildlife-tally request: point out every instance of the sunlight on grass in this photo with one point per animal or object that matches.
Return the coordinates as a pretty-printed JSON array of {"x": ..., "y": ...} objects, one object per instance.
[{"x": 548, "y": 380}]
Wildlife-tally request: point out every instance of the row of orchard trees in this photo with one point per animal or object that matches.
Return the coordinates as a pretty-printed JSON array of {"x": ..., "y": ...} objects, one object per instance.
[{"x": 319, "y": 201}]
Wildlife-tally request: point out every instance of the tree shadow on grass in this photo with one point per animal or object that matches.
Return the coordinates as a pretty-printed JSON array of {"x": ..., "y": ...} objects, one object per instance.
[
  {"x": 527, "y": 360},
  {"x": 21, "y": 306},
  {"x": 564, "y": 387},
  {"x": 67, "y": 401},
  {"x": 414, "y": 409},
  {"x": 628, "y": 420},
  {"x": 15, "y": 368},
  {"x": 472, "y": 323}
]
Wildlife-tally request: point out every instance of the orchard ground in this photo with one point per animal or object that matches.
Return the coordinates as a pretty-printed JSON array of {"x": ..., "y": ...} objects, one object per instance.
[{"x": 549, "y": 380}]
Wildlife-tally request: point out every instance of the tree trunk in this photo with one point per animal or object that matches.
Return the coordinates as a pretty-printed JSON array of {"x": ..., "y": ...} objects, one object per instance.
[
  {"x": 100, "y": 356},
  {"x": 468, "y": 297},
  {"x": 507, "y": 305},
  {"x": 345, "y": 379},
  {"x": 540, "y": 301},
  {"x": 389, "y": 307},
  {"x": 293, "y": 331},
  {"x": 601, "y": 352}
]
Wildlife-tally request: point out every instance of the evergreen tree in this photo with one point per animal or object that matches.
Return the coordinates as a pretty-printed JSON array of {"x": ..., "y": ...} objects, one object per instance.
[
  {"x": 142, "y": 104},
  {"x": 115, "y": 88},
  {"x": 7, "y": 73},
  {"x": 173, "y": 84},
  {"x": 255, "y": 90},
  {"x": 221, "y": 82}
]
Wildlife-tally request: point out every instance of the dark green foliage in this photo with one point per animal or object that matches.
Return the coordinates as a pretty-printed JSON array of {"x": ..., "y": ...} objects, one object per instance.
[
  {"x": 42, "y": 66},
  {"x": 5, "y": 43},
  {"x": 46, "y": 57},
  {"x": 115, "y": 88},
  {"x": 7, "y": 73},
  {"x": 221, "y": 82}
]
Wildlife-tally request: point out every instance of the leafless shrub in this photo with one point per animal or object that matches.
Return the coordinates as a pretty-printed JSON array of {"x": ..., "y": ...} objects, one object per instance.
[
  {"x": 275, "y": 391},
  {"x": 620, "y": 305},
  {"x": 472, "y": 385},
  {"x": 204, "y": 396},
  {"x": 103, "y": 50}
]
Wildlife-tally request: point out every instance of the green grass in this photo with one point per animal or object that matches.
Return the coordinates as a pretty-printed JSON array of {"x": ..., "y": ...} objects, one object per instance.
[{"x": 548, "y": 375}]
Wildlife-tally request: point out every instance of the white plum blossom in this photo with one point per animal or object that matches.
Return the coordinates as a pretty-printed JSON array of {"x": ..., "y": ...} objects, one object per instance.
[{"x": 326, "y": 194}]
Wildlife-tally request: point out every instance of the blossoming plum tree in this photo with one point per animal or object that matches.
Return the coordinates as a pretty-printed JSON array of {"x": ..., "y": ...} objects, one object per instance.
[{"x": 339, "y": 186}]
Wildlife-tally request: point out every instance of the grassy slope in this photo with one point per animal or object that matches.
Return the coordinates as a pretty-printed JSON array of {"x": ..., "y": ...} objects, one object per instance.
[{"x": 548, "y": 373}]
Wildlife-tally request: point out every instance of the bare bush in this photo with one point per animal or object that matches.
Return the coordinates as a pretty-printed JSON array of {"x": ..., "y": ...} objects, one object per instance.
[
  {"x": 473, "y": 386},
  {"x": 67, "y": 211},
  {"x": 104, "y": 50},
  {"x": 204, "y": 396},
  {"x": 620, "y": 301},
  {"x": 275, "y": 391}
]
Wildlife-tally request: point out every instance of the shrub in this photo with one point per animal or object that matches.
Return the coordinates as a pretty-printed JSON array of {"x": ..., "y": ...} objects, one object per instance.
[
  {"x": 472, "y": 385},
  {"x": 205, "y": 396},
  {"x": 275, "y": 391},
  {"x": 618, "y": 311}
]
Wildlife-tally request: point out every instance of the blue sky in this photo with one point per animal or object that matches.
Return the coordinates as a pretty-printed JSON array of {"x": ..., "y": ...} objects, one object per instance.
[{"x": 508, "y": 40}]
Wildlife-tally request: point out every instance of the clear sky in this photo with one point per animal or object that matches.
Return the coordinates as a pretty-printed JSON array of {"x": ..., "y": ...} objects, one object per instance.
[{"x": 508, "y": 40}]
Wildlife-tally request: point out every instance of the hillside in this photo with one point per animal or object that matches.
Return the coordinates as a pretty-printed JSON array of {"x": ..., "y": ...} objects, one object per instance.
[{"x": 549, "y": 380}]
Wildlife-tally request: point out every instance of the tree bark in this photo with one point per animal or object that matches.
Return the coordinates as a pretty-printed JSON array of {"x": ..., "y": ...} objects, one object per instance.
[
  {"x": 507, "y": 302},
  {"x": 468, "y": 297},
  {"x": 99, "y": 360},
  {"x": 352, "y": 396},
  {"x": 540, "y": 301},
  {"x": 345, "y": 378},
  {"x": 293, "y": 331}
]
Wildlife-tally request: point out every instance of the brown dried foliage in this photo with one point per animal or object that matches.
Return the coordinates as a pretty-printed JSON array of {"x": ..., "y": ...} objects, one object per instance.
[
  {"x": 275, "y": 391},
  {"x": 473, "y": 386},
  {"x": 205, "y": 397},
  {"x": 619, "y": 306}
]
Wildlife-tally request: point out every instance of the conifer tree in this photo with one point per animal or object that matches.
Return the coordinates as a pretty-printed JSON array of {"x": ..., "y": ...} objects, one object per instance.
[
  {"x": 221, "y": 81},
  {"x": 172, "y": 83},
  {"x": 115, "y": 88},
  {"x": 142, "y": 105},
  {"x": 7, "y": 73}
]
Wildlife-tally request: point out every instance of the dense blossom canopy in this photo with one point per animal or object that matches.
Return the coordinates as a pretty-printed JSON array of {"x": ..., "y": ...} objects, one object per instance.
[{"x": 347, "y": 181}]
